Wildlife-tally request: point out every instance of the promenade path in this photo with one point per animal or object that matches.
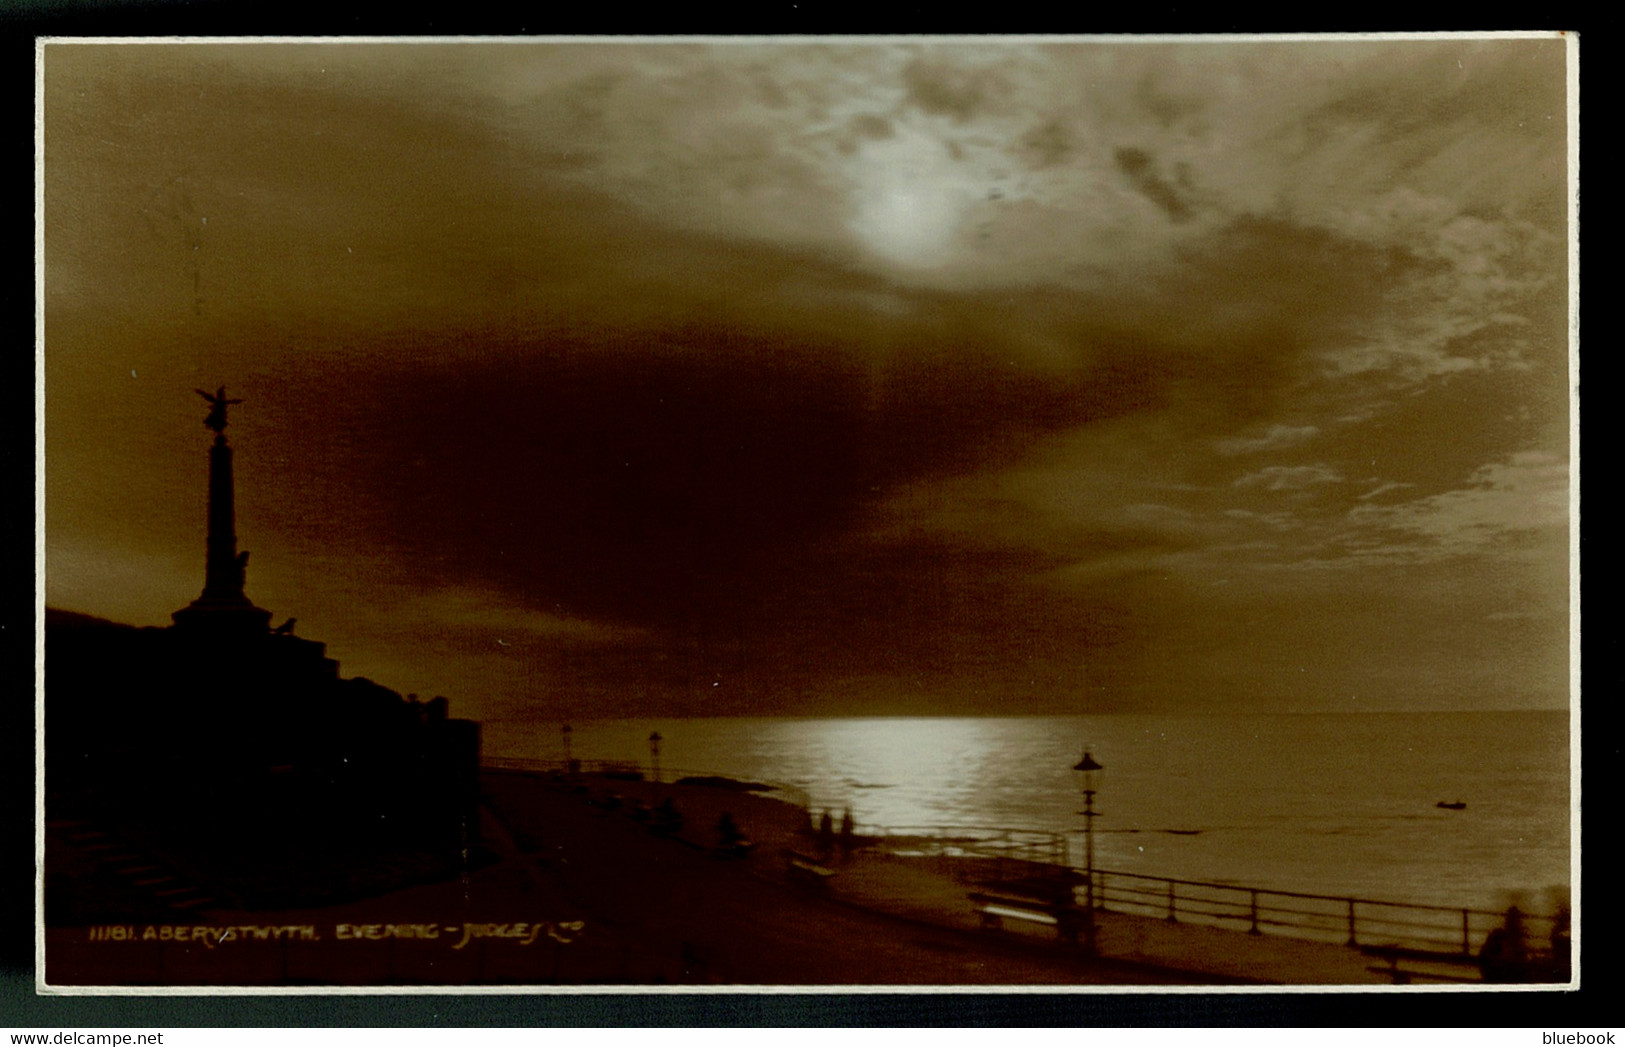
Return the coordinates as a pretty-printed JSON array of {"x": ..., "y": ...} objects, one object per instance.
[{"x": 914, "y": 888}]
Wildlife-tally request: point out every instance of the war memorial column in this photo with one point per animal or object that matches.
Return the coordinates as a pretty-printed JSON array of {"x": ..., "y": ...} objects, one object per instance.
[{"x": 223, "y": 607}]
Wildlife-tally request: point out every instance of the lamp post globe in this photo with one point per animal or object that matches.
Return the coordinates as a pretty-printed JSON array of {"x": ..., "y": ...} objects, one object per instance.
[{"x": 1088, "y": 770}]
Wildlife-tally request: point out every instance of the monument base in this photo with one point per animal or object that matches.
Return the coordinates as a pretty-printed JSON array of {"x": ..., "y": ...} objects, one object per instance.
[{"x": 216, "y": 616}]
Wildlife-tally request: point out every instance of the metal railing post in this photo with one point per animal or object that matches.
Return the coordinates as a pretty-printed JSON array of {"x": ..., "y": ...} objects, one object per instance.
[
  {"x": 1466, "y": 935},
  {"x": 1353, "y": 938},
  {"x": 1254, "y": 928},
  {"x": 1171, "y": 917}
]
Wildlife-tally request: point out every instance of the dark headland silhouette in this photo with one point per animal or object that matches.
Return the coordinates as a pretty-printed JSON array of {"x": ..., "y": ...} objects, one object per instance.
[{"x": 223, "y": 761}]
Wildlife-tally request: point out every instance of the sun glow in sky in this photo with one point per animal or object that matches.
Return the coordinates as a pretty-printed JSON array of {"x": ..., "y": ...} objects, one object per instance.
[
  {"x": 910, "y": 201},
  {"x": 857, "y": 377}
]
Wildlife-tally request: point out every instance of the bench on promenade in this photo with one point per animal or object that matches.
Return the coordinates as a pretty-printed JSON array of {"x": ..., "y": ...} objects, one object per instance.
[
  {"x": 806, "y": 871},
  {"x": 1394, "y": 954},
  {"x": 994, "y": 909}
]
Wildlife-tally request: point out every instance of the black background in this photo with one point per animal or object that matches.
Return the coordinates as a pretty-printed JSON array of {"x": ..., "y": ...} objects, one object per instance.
[{"x": 21, "y": 1008}]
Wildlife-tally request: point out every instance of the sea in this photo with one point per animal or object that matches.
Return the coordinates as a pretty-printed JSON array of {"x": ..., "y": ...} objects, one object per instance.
[{"x": 1341, "y": 804}]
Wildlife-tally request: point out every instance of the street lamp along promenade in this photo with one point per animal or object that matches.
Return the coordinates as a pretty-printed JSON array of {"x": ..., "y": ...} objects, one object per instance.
[{"x": 1088, "y": 770}]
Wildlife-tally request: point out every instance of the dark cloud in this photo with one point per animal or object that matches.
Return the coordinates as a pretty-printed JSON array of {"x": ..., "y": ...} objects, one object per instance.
[
  {"x": 1166, "y": 104},
  {"x": 662, "y": 480},
  {"x": 1049, "y": 143},
  {"x": 946, "y": 89},
  {"x": 871, "y": 125},
  {"x": 1141, "y": 170},
  {"x": 713, "y": 479}
]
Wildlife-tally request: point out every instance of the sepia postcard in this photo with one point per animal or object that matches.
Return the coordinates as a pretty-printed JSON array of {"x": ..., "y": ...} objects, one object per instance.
[{"x": 808, "y": 514}]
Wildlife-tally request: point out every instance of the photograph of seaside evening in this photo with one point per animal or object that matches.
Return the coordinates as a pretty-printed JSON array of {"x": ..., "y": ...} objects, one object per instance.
[{"x": 756, "y": 513}]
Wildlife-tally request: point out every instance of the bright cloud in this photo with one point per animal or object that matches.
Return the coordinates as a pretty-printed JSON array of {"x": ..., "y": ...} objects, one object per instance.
[{"x": 1289, "y": 477}]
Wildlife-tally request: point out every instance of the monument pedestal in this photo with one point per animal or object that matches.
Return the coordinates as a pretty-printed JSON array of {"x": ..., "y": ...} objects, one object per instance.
[{"x": 222, "y": 617}]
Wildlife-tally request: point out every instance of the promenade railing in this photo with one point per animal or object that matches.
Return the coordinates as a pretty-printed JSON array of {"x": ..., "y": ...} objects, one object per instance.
[
  {"x": 981, "y": 854},
  {"x": 1318, "y": 917}
]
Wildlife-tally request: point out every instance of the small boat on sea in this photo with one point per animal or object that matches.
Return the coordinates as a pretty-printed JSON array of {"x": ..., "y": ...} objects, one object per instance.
[{"x": 1459, "y": 805}]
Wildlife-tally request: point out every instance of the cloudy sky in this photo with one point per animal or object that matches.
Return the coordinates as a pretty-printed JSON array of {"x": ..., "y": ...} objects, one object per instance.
[{"x": 830, "y": 377}]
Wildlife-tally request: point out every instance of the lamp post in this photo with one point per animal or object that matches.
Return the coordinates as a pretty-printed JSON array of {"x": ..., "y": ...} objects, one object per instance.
[
  {"x": 654, "y": 753},
  {"x": 1088, "y": 770},
  {"x": 569, "y": 764}
]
